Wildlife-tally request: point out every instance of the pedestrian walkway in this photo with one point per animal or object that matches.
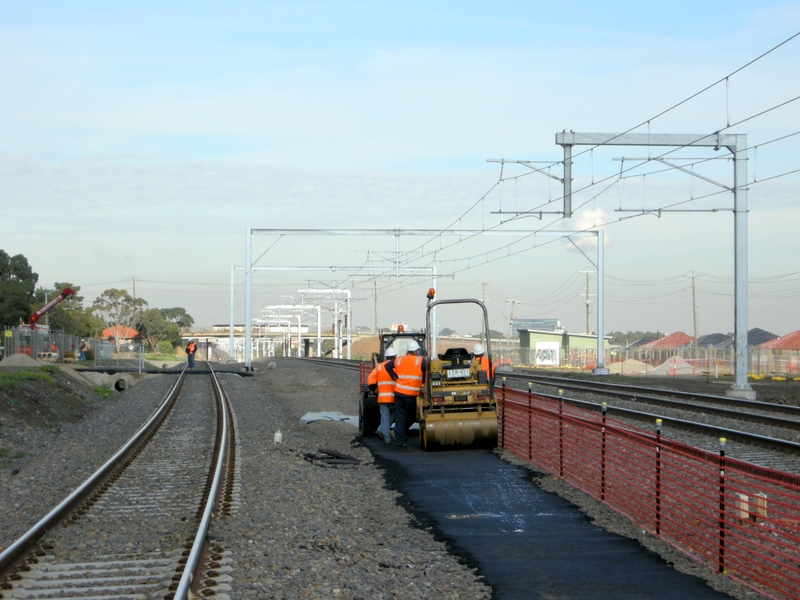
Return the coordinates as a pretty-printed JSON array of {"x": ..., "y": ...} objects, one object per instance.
[{"x": 528, "y": 543}]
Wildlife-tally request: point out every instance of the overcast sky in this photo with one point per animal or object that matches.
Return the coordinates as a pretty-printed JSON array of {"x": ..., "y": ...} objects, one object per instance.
[{"x": 140, "y": 140}]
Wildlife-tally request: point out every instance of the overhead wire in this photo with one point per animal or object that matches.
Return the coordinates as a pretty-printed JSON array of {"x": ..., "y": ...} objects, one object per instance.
[{"x": 474, "y": 260}]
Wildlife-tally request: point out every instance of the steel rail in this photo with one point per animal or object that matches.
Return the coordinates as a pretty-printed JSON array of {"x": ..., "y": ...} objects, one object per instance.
[
  {"x": 16, "y": 551},
  {"x": 333, "y": 362},
  {"x": 221, "y": 448}
]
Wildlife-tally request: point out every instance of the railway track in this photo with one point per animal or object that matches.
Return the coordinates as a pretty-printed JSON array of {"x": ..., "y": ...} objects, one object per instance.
[
  {"x": 136, "y": 528},
  {"x": 341, "y": 363}
]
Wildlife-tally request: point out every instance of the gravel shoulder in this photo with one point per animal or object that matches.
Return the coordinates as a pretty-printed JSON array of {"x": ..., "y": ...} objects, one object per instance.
[{"x": 306, "y": 529}]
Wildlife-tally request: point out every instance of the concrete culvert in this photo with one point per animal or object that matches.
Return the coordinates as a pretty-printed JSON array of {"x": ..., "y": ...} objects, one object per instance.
[{"x": 120, "y": 385}]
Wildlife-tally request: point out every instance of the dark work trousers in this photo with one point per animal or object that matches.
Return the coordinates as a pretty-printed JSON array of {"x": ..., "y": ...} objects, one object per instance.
[{"x": 405, "y": 413}]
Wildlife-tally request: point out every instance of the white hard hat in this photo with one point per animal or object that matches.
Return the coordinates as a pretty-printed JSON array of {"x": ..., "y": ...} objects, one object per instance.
[
  {"x": 390, "y": 352},
  {"x": 478, "y": 349},
  {"x": 413, "y": 346}
]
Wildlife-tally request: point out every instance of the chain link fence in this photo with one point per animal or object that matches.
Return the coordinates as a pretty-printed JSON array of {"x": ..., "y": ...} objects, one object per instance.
[{"x": 41, "y": 344}]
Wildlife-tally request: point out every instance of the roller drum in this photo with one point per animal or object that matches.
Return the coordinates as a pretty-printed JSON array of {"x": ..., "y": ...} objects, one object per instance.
[{"x": 463, "y": 431}]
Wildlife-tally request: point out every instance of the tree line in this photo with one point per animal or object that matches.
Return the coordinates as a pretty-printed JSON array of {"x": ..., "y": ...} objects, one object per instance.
[{"x": 114, "y": 308}]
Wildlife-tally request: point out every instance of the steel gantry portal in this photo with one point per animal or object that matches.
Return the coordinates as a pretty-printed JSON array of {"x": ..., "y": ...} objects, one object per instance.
[
  {"x": 600, "y": 368},
  {"x": 737, "y": 145}
]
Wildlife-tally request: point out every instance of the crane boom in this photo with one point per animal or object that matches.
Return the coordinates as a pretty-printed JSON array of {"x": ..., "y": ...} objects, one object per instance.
[{"x": 38, "y": 314}]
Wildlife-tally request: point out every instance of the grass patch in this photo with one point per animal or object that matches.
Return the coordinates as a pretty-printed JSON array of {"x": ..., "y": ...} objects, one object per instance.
[
  {"x": 103, "y": 392},
  {"x": 13, "y": 378},
  {"x": 3, "y": 452},
  {"x": 162, "y": 357},
  {"x": 19, "y": 454}
]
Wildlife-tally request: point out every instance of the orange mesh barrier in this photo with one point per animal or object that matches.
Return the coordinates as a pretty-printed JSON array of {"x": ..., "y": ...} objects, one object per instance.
[{"x": 735, "y": 517}]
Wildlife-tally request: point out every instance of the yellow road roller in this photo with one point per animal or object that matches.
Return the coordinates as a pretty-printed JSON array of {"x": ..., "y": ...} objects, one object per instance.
[{"x": 457, "y": 406}]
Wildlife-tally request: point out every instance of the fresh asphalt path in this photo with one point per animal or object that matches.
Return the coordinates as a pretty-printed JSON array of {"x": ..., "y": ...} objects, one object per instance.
[{"x": 527, "y": 543}]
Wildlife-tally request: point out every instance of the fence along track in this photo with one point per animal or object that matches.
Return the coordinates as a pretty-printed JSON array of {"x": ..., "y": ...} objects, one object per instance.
[
  {"x": 132, "y": 529},
  {"x": 734, "y": 517}
]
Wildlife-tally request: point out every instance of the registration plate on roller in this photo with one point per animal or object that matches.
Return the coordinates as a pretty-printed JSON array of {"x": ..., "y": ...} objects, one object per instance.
[{"x": 457, "y": 373}]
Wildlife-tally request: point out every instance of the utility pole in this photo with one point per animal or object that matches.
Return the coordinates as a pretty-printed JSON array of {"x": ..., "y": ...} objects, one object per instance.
[
  {"x": 511, "y": 321},
  {"x": 694, "y": 309},
  {"x": 587, "y": 300},
  {"x": 484, "y": 284},
  {"x": 587, "y": 303},
  {"x": 375, "y": 288}
]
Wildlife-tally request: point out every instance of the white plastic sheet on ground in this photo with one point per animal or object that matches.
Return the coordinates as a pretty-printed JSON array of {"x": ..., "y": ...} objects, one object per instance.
[{"x": 328, "y": 416}]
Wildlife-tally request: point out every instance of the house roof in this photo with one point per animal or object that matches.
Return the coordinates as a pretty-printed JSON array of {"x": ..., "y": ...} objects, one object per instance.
[
  {"x": 673, "y": 340},
  {"x": 714, "y": 340},
  {"x": 789, "y": 341},
  {"x": 122, "y": 332},
  {"x": 757, "y": 336}
]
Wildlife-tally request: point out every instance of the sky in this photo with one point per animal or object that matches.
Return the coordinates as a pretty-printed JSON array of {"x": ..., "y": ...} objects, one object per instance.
[{"x": 140, "y": 141}]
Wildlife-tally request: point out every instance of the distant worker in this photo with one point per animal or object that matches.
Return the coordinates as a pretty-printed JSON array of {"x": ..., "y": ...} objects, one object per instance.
[
  {"x": 191, "y": 348},
  {"x": 483, "y": 362},
  {"x": 380, "y": 381},
  {"x": 408, "y": 372},
  {"x": 83, "y": 350}
]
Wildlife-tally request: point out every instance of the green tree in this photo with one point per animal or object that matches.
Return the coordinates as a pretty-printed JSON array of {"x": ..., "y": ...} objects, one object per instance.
[
  {"x": 154, "y": 328},
  {"x": 17, "y": 283},
  {"x": 116, "y": 309},
  {"x": 178, "y": 315}
]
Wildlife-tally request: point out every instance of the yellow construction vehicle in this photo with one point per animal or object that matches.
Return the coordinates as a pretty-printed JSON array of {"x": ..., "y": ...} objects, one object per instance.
[{"x": 457, "y": 405}]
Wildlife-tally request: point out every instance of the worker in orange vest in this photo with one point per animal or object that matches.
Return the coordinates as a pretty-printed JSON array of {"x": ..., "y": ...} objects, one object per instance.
[
  {"x": 483, "y": 362},
  {"x": 191, "y": 348},
  {"x": 408, "y": 372},
  {"x": 380, "y": 381}
]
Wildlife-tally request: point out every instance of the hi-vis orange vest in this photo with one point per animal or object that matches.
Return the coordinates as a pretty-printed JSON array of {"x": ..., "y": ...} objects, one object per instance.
[
  {"x": 191, "y": 347},
  {"x": 483, "y": 365},
  {"x": 384, "y": 382},
  {"x": 408, "y": 369}
]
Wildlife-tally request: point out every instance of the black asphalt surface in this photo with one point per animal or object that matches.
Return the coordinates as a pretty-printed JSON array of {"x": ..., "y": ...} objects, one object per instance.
[{"x": 527, "y": 543}]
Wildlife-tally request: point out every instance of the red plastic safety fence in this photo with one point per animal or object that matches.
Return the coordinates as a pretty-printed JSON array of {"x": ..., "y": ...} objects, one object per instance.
[
  {"x": 364, "y": 369},
  {"x": 735, "y": 517}
]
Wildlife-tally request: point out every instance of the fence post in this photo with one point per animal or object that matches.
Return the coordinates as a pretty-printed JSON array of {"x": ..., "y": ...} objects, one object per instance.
[
  {"x": 603, "y": 454},
  {"x": 502, "y": 437},
  {"x": 530, "y": 421},
  {"x": 561, "y": 433},
  {"x": 658, "y": 476},
  {"x": 721, "y": 557}
]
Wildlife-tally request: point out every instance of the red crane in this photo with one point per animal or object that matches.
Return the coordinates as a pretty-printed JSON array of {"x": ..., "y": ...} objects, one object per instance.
[{"x": 38, "y": 314}]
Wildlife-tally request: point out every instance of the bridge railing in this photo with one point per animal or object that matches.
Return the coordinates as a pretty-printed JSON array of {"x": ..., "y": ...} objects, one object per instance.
[{"x": 734, "y": 517}]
